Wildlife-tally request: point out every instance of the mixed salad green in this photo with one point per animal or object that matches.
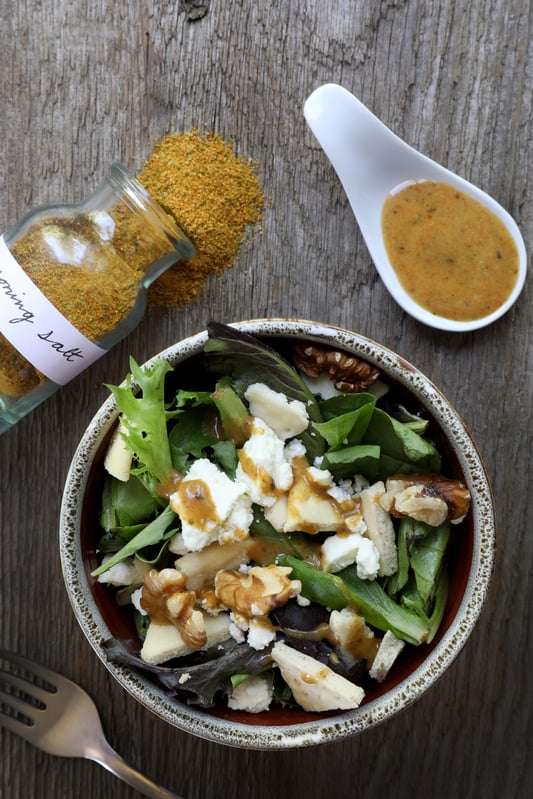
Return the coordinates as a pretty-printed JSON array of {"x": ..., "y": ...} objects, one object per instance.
[{"x": 275, "y": 540}]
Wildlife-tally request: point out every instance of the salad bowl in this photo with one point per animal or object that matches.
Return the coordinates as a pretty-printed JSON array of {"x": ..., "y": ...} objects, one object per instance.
[{"x": 417, "y": 669}]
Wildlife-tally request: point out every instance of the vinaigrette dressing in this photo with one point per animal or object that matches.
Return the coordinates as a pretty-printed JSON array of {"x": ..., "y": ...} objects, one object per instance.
[{"x": 451, "y": 254}]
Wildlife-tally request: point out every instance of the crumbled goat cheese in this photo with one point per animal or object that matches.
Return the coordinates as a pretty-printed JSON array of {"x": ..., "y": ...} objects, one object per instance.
[
  {"x": 260, "y": 635},
  {"x": 340, "y": 551},
  {"x": 253, "y": 695},
  {"x": 129, "y": 571},
  {"x": 358, "y": 484},
  {"x": 236, "y": 633},
  {"x": 135, "y": 600},
  {"x": 262, "y": 466},
  {"x": 302, "y": 601},
  {"x": 294, "y": 449},
  {"x": 341, "y": 492},
  {"x": 287, "y": 418},
  {"x": 230, "y": 507}
]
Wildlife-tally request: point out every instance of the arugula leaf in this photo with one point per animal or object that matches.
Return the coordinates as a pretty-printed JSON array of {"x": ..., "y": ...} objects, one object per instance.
[
  {"x": 144, "y": 417},
  {"x": 399, "y": 579},
  {"x": 153, "y": 533},
  {"x": 192, "y": 398},
  {"x": 439, "y": 606},
  {"x": 335, "y": 591}
]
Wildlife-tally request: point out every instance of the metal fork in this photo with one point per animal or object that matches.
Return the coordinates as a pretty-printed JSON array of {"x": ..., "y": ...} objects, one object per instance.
[{"x": 59, "y": 717}]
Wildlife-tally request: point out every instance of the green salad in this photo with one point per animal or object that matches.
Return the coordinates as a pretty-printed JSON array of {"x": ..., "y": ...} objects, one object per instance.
[{"x": 277, "y": 524}]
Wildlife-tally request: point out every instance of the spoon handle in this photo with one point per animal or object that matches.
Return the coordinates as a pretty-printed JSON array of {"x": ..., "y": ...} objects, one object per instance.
[{"x": 363, "y": 151}]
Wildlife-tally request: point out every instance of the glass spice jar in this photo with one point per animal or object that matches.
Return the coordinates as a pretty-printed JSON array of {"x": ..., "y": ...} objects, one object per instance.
[{"x": 73, "y": 282}]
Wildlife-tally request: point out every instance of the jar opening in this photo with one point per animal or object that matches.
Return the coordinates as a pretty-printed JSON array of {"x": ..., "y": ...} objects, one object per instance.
[{"x": 133, "y": 193}]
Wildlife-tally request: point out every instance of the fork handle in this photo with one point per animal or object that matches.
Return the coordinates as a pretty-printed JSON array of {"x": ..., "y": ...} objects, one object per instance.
[{"x": 112, "y": 761}]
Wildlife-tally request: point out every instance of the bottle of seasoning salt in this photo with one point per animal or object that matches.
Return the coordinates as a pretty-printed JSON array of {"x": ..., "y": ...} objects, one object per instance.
[{"x": 73, "y": 282}]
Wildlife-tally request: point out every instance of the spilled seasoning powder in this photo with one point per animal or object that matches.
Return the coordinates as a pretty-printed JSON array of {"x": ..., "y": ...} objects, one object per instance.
[{"x": 213, "y": 195}]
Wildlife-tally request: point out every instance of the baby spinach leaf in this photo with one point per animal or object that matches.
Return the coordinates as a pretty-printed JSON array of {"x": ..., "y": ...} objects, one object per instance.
[
  {"x": 345, "y": 463},
  {"x": 345, "y": 403},
  {"x": 412, "y": 420},
  {"x": 247, "y": 360},
  {"x": 189, "y": 436},
  {"x": 426, "y": 560},
  {"x": 296, "y": 544},
  {"x": 402, "y": 450},
  {"x": 126, "y": 503},
  {"x": 346, "y": 429},
  {"x": 225, "y": 454}
]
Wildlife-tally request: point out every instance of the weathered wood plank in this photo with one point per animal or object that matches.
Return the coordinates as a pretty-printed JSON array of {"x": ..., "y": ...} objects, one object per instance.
[{"x": 86, "y": 84}]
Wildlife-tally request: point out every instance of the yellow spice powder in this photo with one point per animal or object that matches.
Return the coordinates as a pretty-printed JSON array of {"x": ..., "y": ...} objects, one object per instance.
[{"x": 214, "y": 196}]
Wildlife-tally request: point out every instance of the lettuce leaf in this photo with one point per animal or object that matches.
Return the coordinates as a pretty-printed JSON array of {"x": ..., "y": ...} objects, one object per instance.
[{"x": 144, "y": 417}]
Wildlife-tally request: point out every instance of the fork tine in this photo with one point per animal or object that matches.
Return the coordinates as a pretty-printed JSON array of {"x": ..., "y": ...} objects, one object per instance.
[
  {"x": 35, "y": 669},
  {"x": 16, "y": 725},
  {"x": 24, "y": 718},
  {"x": 32, "y": 690},
  {"x": 67, "y": 723}
]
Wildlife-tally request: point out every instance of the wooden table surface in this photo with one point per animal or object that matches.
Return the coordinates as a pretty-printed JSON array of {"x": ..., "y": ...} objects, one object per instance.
[{"x": 87, "y": 84}]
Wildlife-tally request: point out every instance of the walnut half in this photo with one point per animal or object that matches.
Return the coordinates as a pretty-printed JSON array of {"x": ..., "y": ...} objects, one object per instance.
[
  {"x": 257, "y": 592},
  {"x": 165, "y": 599},
  {"x": 348, "y": 373},
  {"x": 427, "y": 498}
]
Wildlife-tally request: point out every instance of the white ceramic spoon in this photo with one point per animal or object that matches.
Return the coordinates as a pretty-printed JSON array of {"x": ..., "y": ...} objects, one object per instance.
[{"x": 370, "y": 161}]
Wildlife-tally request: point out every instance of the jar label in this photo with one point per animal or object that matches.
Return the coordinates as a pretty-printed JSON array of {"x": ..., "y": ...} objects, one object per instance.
[{"x": 34, "y": 326}]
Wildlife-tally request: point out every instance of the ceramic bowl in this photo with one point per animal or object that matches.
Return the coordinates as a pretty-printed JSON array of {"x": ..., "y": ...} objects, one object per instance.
[{"x": 417, "y": 669}]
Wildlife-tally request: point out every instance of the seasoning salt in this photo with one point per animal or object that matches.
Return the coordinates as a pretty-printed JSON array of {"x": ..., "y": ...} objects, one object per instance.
[{"x": 73, "y": 282}]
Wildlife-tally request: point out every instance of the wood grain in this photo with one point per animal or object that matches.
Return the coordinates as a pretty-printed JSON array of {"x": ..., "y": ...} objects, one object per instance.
[{"x": 86, "y": 84}]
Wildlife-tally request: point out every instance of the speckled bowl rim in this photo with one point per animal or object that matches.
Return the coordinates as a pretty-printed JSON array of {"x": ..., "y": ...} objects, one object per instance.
[{"x": 330, "y": 729}]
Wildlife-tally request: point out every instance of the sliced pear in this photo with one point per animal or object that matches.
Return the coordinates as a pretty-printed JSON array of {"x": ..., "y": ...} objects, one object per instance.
[
  {"x": 200, "y": 567},
  {"x": 164, "y": 641},
  {"x": 315, "y": 686},
  {"x": 380, "y": 529},
  {"x": 118, "y": 457}
]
